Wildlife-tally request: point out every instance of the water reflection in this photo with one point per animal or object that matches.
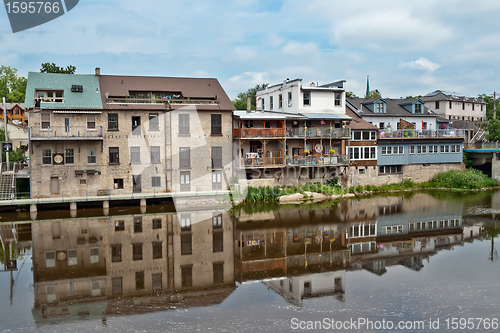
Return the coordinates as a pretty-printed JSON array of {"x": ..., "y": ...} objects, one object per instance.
[{"x": 97, "y": 267}]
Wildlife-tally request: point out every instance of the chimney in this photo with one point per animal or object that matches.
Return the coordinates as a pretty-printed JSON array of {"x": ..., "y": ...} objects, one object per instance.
[
  {"x": 249, "y": 104},
  {"x": 97, "y": 71}
]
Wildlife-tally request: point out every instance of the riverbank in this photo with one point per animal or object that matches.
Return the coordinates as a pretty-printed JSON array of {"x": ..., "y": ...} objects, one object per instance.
[{"x": 454, "y": 180}]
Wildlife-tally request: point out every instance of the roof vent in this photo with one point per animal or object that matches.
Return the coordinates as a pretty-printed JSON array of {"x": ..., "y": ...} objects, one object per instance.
[{"x": 77, "y": 88}]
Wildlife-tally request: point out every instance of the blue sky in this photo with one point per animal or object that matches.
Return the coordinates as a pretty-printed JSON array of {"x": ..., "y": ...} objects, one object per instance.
[{"x": 407, "y": 48}]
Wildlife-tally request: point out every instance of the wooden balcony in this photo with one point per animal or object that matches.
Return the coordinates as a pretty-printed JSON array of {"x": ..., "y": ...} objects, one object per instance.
[
  {"x": 66, "y": 133},
  {"x": 251, "y": 133},
  {"x": 262, "y": 162},
  {"x": 318, "y": 160}
]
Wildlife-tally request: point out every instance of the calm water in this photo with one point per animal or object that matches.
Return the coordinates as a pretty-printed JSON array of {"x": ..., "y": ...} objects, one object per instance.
[{"x": 385, "y": 260}]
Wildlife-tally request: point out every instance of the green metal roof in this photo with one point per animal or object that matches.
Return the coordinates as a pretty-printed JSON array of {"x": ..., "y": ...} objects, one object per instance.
[{"x": 90, "y": 98}]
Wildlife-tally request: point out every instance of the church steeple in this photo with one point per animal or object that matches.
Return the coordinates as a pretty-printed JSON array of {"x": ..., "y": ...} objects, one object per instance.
[{"x": 367, "y": 86}]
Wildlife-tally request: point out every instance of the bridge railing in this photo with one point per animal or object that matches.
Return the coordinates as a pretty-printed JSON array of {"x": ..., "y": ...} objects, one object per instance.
[{"x": 483, "y": 146}]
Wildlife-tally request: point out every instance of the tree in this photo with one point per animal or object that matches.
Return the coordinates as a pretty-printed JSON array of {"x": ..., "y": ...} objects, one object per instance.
[
  {"x": 374, "y": 94},
  {"x": 413, "y": 97},
  {"x": 240, "y": 103},
  {"x": 350, "y": 94},
  {"x": 489, "y": 105},
  {"x": 52, "y": 68},
  {"x": 12, "y": 87},
  {"x": 493, "y": 128}
]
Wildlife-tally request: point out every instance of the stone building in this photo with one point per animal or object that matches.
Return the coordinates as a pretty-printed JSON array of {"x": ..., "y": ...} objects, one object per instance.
[{"x": 118, "y": 135}]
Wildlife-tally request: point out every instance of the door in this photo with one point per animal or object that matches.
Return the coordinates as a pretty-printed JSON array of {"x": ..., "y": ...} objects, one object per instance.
[
  {"x": 137, "y": 183},
  {"x": 54, "y": 185}
]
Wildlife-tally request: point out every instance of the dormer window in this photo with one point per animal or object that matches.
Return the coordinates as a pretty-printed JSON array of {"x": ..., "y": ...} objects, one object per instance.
[
  {"x": 418, "y": 108},
  {"x": 379, "y": 108},
  {"x": 51, "y": 96}
]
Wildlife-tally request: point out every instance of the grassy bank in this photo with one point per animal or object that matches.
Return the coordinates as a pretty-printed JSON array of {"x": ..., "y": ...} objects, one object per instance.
[{"x": 456, "y": 180}]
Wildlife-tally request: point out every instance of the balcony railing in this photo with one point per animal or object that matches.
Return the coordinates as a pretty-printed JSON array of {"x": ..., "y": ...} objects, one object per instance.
[
  {"x": 318, "y": 160},
  {"x": 262, "y": 162},
  {"x": 182, "y": 101},
  {"x": 411, "y": 133},
  {"x": 69, "y": 132},
  {"x": 318, "y": 132},
  {"x": 259, "y": 132}
]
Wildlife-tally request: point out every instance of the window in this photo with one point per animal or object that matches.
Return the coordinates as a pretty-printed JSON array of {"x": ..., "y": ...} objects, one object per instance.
[
  {"x": 69, "y": 156},
  {"x": 392, "y": 229},
  {"x": 356, "y": 135},
  {"x": 50, "y": 259},
  {"x": 338, "y": 99},
  {"x": 390, "y": 169},
  {"x": 216, "y": 157},
  {"x": 137, "y": 224},
  {"x": 156, "y": 223},
  {"x": 248, "y": 123},
  {"x": 116, "y": 285},
  {"x": 139, "y": 280},
  {"x": 381, "y": 126},
  {"x": 46, "y": 156},
  {"x": 119, "y": 225},
  {"x": 94, "y": 256},
  {"x": 91, "y": 121},
  {"x": 271, "y": 102},
  {"x": 445, "y": 149},
  {"x": 157, "y": 250},
  {"x": 437, "y": 105},
  {"x": 156, "y": 281},
  {"x": 449, "y": 104},
  {"x": 362, "y": 230},
  {"x": 155, "y": 181},
  {"x": 289, "y": 98},
  {"x": 418, "y": 108},
  {"x": 307, "y": 98},
  {"x": 153, "y": 122},
  {"x": 45, "y": 120},
  {"x": 280, "y": 101},
  {"x": 216, "y": 124},
  {"x": 51, "y": 96},
  {"x": 216, "y": 180},
  {"x": 155, "y": 154},
  {"x": 379, "y": 108},
  {"x": 433, "y": 149},
  {"x": 184, "y": 124},
  {"x": 185, "y": 222},
  {"x": 95, "y": 288},
  {"x": 412, "y": 150},
  {"x": 217, "y": 221},
  {"x": 421, "y": 149},
  {"x": 463, "y": 105},
  {"x": 118, "y": 183},
  {"x": 373, "y": 135},
  {"x": 91, "y": 156},
  {"x": 455, "y": 148},
  {"x": 136, "y": 125},
  {"x": 113, "y": 122},
  {"x": 114, "y": 155},
  {"x": 218, "y": 272},
  {"x": 184, "y": 157},
  {"x": 72, "y": 257},
  {"x": 185, "y": 180},
  {"x": 136, "y": 252},
  {"x": 116, "y": 253},
  {"x": 186, "y": 244},
  {"x": 135, "y": 155},
  {"x": 187, "y": 276}
]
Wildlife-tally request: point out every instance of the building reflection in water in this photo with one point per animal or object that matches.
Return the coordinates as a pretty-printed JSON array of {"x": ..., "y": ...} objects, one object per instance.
[
  {"x": 155, "y": 262},
  {"x": 131, "y": 264}
]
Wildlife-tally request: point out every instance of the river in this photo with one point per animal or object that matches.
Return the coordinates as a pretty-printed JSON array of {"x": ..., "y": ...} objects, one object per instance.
[{"x": 417, "y": 262}]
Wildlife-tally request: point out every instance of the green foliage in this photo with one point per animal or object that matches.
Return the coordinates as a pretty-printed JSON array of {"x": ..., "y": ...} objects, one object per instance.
[
  {"x": 467, "y": 160},
  {"x": 456, "y": 179},
  {"x": 53, "y": 68},
  {"x": 493, "y": 128},
  {"x": 489, "y": 104},
  {"x": 13, "y": 87},
  {"x": 240, "y": 103},
  {"x": 14, "y": 156},
  {"x": 350, "y": 94},
  {"x": 374, "y": 94}
]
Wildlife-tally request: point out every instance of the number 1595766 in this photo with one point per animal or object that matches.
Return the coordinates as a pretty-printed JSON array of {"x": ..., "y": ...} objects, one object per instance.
[{"x": 32, "y": 7}]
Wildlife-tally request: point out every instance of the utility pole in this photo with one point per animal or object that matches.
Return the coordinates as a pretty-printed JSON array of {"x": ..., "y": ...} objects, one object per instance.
[
  {"x": 494, "y": 105},
  {"x": 5, "y": 130}
]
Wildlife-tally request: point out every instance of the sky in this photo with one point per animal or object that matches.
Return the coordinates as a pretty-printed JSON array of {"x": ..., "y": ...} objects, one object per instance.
[{"x": 405, "y": 47}]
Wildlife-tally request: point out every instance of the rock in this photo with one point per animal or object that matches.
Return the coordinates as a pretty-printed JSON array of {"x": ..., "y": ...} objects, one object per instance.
[{"x": 291, "y": 198}]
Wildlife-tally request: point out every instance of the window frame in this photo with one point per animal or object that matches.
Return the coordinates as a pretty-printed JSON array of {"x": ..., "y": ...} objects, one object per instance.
[
  {"x": 154, "y": 122},
  {"x": 114, "y": 156},
  {"x": 216, "y": 124},
  {"x": 112, "y": 123}
]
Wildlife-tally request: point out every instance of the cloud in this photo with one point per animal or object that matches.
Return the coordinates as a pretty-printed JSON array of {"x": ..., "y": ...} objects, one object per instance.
[
  {"x": 422, "y": 63},
  {"x": 298, "y": 48}
]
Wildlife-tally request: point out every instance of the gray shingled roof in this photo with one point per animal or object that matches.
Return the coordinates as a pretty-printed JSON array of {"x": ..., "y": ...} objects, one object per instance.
[{"x": 393, "y": 107}]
